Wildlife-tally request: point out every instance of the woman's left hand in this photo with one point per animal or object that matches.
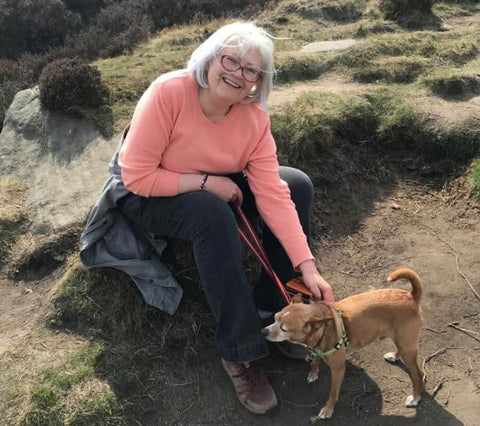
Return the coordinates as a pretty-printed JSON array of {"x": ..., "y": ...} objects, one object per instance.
[{"x": 315, "y": 282}]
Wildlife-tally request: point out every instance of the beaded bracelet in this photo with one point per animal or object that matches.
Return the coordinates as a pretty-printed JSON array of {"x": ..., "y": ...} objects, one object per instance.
[{"x": 204, "y": 181}]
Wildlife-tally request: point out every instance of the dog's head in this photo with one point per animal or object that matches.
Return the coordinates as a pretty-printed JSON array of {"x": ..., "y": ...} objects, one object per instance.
[{"x": 299, "y": 322}]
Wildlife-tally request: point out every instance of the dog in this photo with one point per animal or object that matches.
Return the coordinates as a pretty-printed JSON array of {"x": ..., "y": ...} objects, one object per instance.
[{"x": 393, "y": 313}]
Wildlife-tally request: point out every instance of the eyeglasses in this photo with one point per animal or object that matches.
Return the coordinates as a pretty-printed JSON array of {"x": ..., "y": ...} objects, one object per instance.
[{"x": 230, "y": 64}]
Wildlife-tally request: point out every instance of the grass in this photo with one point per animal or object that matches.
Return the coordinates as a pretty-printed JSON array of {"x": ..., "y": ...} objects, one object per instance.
[
  {"x": 319, "y": 125},
  {"x": 70, "y": 393},
  {"x": 13, "y": 214},
  {"x": 452, "y": 83},
  {"x": 82, "y": 302},
  {"x": 474, "y": 179}
]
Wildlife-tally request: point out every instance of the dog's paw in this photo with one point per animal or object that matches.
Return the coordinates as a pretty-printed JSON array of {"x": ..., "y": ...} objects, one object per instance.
[
  {"x": 391, "y": 357},
  {"x": 312, "y": 377},
  {"x": 411, "y": 401},
  {"x": 325, "y": 413}
]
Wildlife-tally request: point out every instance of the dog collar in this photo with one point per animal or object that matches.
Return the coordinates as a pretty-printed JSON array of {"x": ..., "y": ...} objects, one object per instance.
[{"x": 318, "y": 353}]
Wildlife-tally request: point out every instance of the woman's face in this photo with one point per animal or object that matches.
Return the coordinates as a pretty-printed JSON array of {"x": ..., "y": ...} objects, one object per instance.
[{"x": 232, "y": 87}]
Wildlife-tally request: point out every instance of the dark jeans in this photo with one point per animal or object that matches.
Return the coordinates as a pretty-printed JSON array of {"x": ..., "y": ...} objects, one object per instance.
[{"x": 210, "y": 224}]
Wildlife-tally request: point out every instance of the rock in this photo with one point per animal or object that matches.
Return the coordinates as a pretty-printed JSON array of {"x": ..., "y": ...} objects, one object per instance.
[
  {"x": 395, "y": 206},
  {"x": 329, "y": 46},
  {"x": 62, "y": 159}
]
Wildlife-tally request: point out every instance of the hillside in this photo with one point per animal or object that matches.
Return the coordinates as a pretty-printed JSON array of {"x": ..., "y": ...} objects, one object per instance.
[{"x": 388, "y": 128}]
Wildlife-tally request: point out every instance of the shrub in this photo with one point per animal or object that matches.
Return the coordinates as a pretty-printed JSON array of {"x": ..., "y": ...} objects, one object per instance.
[
  {"x": 14, "y": 76},
  {"x": 69, "y": 84},
  {"x": 393, "y": 8},
  {"x": 34, "y": 25}
]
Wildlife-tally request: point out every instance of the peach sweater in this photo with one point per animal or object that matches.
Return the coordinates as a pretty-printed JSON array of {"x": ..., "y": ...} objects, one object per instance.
[{"x": 170, "y": 135}]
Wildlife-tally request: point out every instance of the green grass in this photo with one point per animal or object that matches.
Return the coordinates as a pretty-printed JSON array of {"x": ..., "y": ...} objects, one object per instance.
[
  {"x": 13, "y": 214},
  {"x": 94, "y": 299},
  {"x": 70, "y": 393},
  {"x": 474, "y": 179},
  {"x": 319, "y": 125}
]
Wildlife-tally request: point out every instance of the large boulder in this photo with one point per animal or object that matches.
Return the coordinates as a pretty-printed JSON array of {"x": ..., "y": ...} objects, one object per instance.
[{"x": 62, "y": 159}]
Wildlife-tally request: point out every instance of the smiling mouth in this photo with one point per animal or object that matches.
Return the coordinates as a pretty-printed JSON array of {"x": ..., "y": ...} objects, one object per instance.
[{"x": 231, "y": 83}]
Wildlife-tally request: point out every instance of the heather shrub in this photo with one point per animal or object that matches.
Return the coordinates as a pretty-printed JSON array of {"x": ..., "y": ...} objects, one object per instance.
[
  {"x": 14, "y": 76},
  {"x": 34, "y": 26},
  {"x": 393, "y": 8},
  {"x": 67, "y": 85}
]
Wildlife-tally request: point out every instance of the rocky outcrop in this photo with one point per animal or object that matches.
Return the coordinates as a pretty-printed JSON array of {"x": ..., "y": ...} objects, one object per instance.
[{"x": 62, "y": 159}]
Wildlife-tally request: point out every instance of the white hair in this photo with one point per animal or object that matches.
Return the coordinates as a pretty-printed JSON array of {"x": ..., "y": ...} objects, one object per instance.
[{"x": 245, "y": 36}]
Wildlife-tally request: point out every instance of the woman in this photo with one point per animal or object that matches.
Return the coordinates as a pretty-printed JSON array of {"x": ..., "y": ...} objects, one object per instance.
[{"x": 200, "y": 139}]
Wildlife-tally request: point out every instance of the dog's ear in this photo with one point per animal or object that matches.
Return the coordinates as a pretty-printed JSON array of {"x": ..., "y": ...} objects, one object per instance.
[
  {"x": 316, "y": 323},
  {"x": 297, "y": 298}
]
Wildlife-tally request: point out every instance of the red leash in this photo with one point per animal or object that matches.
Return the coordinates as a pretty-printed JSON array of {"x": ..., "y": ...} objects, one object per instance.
[{"x": 256, "y": 246}]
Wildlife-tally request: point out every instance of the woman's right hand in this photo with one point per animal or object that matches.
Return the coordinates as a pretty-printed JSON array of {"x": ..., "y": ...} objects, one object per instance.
[{"x": 224, "y": 188}]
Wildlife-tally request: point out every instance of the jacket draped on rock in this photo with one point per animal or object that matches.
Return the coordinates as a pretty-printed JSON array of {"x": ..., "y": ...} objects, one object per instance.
[{"x": 110, "y": 240}]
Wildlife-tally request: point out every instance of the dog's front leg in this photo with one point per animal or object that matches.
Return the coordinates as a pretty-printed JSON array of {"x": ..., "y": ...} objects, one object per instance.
[
  {"x": 337, "y": 367},
  {"x": 314, "y": 368}
]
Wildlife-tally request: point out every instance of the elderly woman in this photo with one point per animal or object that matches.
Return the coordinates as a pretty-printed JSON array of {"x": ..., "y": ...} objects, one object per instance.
[{"x": 200, "y": 139}]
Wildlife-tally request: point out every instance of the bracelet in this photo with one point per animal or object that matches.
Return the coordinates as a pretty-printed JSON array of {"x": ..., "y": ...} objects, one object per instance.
[{"x": 204, "y": 181}]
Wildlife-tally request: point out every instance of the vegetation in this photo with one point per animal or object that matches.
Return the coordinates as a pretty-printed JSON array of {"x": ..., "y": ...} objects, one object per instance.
[
  {"x": 13, "y": 215},
  {"x": 37, "y": 32},
  {"x": 74, "y": 87},
  {"x": 70, "y": 393}
]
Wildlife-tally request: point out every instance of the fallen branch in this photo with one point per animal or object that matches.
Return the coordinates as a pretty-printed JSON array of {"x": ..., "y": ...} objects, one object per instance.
[{"x": 468, "y": 332}]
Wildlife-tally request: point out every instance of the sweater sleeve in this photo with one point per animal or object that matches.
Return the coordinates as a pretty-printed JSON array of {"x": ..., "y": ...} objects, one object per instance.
[
  {"x": 273, "y": 200},
  {"x": 140, "y": 157}
]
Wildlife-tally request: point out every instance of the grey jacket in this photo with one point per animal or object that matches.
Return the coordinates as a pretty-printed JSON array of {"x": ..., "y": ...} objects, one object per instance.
[{"x": 110, "y": 240}]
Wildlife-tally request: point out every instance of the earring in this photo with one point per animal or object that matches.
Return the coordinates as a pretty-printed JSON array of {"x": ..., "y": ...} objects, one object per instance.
[{"x": 253, "y": 91}]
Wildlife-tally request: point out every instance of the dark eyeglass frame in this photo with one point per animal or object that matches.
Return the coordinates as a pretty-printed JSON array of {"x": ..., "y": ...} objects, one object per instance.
[{"x": 233, "y": 60}]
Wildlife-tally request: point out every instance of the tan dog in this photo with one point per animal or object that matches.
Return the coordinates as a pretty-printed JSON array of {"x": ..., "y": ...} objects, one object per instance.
[{"x": 393, "y": 313}]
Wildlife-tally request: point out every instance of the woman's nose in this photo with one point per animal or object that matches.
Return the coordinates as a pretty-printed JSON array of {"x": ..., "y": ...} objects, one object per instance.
[{"x": 238, "y": 73}]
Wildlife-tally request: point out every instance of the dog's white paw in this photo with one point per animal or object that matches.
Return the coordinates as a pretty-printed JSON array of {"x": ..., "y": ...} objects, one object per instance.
[
  {"x": 411, "y": 401},
  {"x": 391, "y": 357},
  {"x": 325, "y": 413},
  {"x": 312, "y": 377}
]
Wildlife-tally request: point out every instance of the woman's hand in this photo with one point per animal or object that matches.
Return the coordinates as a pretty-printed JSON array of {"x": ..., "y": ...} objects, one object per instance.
[
  {"x": 224, "y": 188},
  {"x": 315, "y": 282}
]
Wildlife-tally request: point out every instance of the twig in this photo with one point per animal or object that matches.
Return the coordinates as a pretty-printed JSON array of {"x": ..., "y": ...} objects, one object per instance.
[
  {"x": 459, "y": 271},
  {"x": 429, "y": 357},
  {"x": 437, "y": 388},
  {"x": 456, "y": 327},
  {"x": 435, "y": 331},
  {"x": 448, "y": 397},
  {"x": 298, "y": 405}
]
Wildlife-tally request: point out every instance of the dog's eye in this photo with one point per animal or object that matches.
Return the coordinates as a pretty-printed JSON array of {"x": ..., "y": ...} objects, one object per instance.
[{"x": 282, "y": 328}]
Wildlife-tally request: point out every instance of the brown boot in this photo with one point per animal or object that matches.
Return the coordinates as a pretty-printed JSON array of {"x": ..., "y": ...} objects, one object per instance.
[{"x": 251, "y": 385}]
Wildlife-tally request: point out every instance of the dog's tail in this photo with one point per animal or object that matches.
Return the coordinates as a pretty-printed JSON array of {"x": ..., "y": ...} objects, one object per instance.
[{"x": 411, "y": 276}]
